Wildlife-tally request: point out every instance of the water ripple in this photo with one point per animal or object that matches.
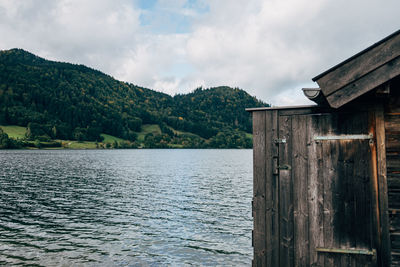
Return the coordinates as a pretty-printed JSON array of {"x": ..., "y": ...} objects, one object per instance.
[{"x": 125, "y": 207}]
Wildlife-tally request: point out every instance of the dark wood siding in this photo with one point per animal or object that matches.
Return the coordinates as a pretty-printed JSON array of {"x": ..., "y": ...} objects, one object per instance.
[
  {"x": 392, "y": 130},
  {"x": 311, "y": 194}
]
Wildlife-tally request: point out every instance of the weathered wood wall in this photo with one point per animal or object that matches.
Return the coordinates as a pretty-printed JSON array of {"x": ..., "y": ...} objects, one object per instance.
[
  {"x": 311, "y": 194},
  {"x": 392, "y": 130}
]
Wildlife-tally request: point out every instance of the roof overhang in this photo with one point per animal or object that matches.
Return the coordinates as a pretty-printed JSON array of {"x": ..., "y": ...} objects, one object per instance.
[{"x": 362, "y": 72}]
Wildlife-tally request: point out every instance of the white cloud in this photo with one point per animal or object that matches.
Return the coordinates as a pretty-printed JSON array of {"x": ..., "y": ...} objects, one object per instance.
[
  {"x": 270, "y": 48},
  {"x": 88, "y": 32}
]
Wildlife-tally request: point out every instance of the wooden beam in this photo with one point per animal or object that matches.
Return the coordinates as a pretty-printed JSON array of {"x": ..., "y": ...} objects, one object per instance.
[
  {"x": 365, "y": 84},
  {"x": 281, "y": 107},
  {"x": 376, "y": 226},
  {"x": 383, "y": 189},
  {"x": 360, "y": 65},
  {"x": 383, "y": 91}
]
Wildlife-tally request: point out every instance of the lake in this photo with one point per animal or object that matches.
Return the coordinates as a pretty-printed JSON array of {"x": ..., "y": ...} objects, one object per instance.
[{"x": 125, "y": 207}]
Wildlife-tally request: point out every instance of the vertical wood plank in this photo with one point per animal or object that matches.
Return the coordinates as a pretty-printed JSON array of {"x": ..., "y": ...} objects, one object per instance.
[
  {"x": 300, "y": 186},
  {"x": 275, "y": 193},
  {"x": 374, "y": 184},
  {"x": 345, "y": 179},
  {"x": 385, "y": 250},
  {"x": 337, "y": 204},
  {"x": 329, "y": 156},
  {"x": 361, "y": 228},
  {"x": 286, "y": 193},
  {"x": 272, "y": 182},
  {"x": 358, "y": 189},
  {"x": 269, "y": 186},
  {"x": 315, "y": 192},
  {"x": 259, "y": 186},
  {"x": 362, "y": 198}
]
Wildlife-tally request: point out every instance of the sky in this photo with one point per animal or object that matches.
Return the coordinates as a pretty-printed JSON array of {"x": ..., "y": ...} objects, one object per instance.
[{"x": 270, "y": 48}]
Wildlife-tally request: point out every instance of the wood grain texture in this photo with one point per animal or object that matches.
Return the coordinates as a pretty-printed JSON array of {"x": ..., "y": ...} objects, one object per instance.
[
  {"x": 259, "y": 204},
  {"x": 359, "y": 66},
  {"x": 269, "y": 203},
  {"x": 275, "y": 193},
  {"x": 300, "y": 186},
  {"x": 329, "y": 155},
  {"x": 374, "y": 184},
  {"x": 382, "y": 178},
  {"x": 392, "y": 133},
  {"x": 320, "y": 196},
  {"x": 364, "y": 84},
  {"x": 271, "y": 189},
  {"x": 315, "y": 192},
  {"x": 286, "y": 194}
]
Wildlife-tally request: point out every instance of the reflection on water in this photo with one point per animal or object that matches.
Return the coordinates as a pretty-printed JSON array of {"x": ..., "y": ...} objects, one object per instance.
[{"x": 125, "y": 207}]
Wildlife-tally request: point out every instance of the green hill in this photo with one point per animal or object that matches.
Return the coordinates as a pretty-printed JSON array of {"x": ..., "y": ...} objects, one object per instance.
[{"x": 56, "y": 100}]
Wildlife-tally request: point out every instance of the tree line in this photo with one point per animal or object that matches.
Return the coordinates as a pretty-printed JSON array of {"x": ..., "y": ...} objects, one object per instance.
[{"x": 56, "y": 100}]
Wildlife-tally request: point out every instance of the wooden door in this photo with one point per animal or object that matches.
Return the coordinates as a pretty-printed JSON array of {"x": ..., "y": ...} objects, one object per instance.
[
  {"x": 324, "y": 199},
  {"x": 313, "y": 193}
]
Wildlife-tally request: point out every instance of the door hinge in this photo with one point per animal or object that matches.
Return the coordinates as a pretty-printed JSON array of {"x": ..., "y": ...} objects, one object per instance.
[{"x": 276, "y": 171}]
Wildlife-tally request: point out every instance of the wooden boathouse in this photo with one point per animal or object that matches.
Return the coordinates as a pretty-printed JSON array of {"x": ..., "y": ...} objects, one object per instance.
[{"x": 327, "y": 177}]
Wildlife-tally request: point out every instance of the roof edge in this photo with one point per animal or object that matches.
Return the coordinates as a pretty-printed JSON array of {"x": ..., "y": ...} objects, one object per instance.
[
  {"x": 281, "y": 107},
  {"x": 356, "y": 55}
]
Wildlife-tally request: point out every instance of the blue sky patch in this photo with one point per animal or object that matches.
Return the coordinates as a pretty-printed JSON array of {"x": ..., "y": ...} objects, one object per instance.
[
  {"x": 146, "y": 4},
  {"x": 160, "y": 19},
  {"x": 179, "y": 70}
]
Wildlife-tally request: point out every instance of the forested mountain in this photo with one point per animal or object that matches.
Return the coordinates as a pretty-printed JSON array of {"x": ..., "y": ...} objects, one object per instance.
[{"x": 73, "y": 102}]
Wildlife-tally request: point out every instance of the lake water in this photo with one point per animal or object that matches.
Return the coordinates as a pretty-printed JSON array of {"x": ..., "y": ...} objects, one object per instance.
[{"x": 125, "y": 207}]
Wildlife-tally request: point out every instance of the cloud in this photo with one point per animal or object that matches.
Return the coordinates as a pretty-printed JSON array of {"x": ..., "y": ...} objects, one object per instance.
[
  {"x": 152, "y": 56},
  {"x": 87, "y": 32},
  {"x": 270, "y": 48}
]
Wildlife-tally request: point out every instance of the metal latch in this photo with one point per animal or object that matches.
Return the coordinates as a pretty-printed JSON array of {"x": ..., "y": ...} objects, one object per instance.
[
  {"x": 345, "y": 137},
  {"x": 280, "y": 141},
  {"x": 284, "y": 167},
  {"x": 348, "y": 251}
]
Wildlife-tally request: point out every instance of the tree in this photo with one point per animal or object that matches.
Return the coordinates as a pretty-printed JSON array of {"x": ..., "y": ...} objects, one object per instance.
[
  {"x": 37, "y": 143},
  {"x": 5, "y": 141},
  {"x": 115, "y": 144}
]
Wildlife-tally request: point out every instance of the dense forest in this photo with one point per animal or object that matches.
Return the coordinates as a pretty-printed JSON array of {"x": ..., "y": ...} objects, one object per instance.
[{"x": 62, "y": 101}]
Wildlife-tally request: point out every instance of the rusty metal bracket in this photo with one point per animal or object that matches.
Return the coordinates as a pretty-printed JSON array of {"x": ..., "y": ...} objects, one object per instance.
[
  {"x": 344, "y": 137},
  {"x": 369, "y": 137},
  {"x": 348, "y": 251}
]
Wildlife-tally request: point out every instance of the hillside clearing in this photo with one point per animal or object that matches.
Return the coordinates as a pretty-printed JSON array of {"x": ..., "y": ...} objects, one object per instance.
[
  {"x": 110, "y": 139},
  {"x": 146, "y": 129},
  {"x": 16, "y": 132}
]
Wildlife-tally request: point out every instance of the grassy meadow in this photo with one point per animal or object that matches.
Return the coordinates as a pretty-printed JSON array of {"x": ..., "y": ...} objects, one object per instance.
[
  {"x": 146, "y": 129},
  {"x": 16, "y": 132}
]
